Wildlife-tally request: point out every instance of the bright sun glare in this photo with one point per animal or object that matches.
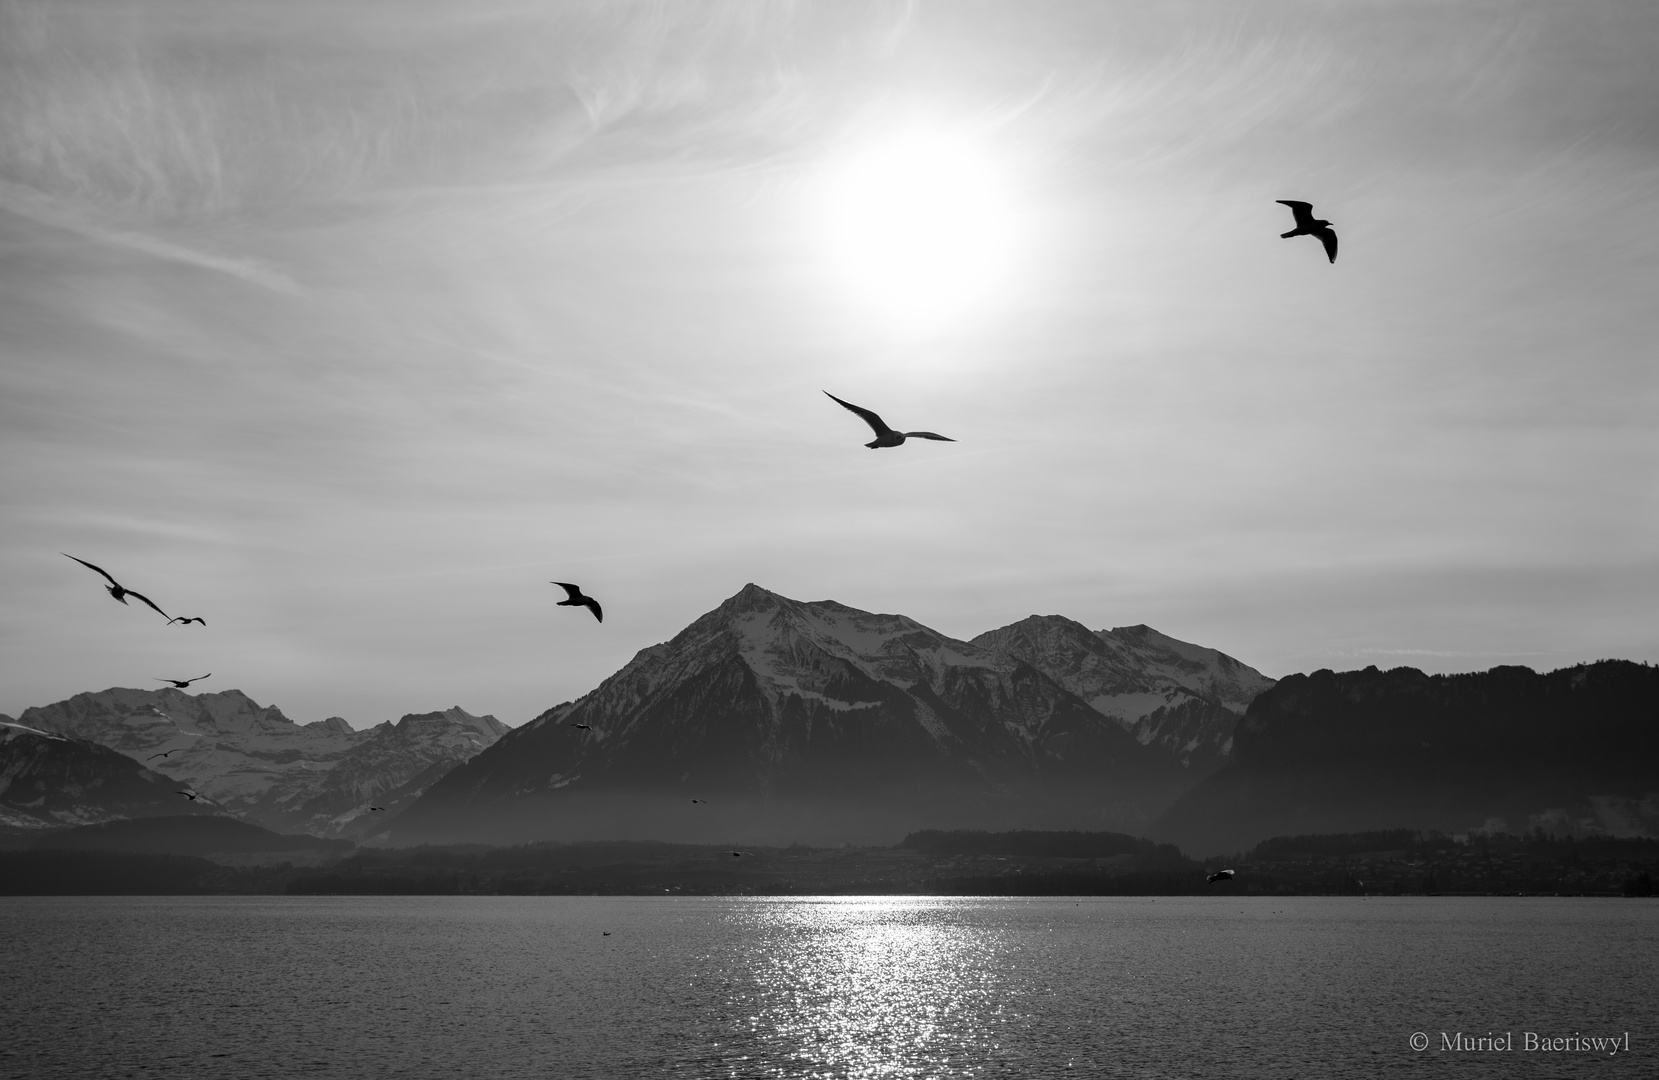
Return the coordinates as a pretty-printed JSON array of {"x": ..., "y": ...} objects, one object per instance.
[{"x": 921, "y": 225}]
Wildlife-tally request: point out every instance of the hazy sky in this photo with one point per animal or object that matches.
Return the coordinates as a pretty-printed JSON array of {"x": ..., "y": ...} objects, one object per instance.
[{"x": 347, "y": 327}]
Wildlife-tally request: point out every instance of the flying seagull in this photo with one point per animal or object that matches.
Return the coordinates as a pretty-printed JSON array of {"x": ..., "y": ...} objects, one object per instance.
[
  {"x": 885, "y": 436},
  {"x": 187, "y": 620},
  {"x": 584, "y": 727},
  {"x": 1220, "y": 875},
  {"x": 115, "y": 588},
  {"x": 174, "y": 750},
  {"x": 194, "y": 796},
  {"x": 374, "y": 809},
  {"x": 705, "y": 802},
  {"x": 737, "y": 854},
  {"x": 576, "y": 599},
  {"x": 181, "y": 683},
  {"x": 1308, "y": 225}
]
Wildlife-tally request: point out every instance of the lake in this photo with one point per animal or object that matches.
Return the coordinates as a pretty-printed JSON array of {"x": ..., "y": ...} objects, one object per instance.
[{"x": 561, "y": 987}]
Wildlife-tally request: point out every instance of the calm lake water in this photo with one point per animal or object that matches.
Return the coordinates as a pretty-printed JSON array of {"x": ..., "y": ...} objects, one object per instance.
[{"x": 821, "y": 987}]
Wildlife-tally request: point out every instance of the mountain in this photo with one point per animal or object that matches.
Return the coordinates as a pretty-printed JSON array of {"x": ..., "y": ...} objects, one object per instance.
[
  {"x": 1182, "y": 697},
  {"x": 812, "y": 721},
  {"x": 1504, "y": 750},
  {"x": 390, "y": 767},
  {"x": 48, "y": 781},
  {"x": 258, "y": 764}
]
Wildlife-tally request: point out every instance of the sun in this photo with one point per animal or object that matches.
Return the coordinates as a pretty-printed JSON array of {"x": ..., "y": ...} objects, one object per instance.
[{"x": 921, "y": 224}]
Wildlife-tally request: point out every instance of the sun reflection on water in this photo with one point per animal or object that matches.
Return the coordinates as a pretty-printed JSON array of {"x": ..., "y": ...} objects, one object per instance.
[{"x": 862, "y": 987}]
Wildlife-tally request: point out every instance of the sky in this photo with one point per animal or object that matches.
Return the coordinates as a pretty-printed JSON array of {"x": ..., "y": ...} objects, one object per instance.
[{"x": 350, "y": 327}]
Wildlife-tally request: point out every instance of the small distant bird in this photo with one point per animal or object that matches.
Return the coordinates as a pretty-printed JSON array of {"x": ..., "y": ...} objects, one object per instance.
[
  {"x": 181, "y": 683},
  {"x": 187, "y": 620},
  {"x": 607, "y": 933},
  {"x": 705, "y": 802},
  {"x": 584, "y": 727},
  {"x": 376, "y": 809},
  {"x": 195, "y": 797},
  {"x": 885, "y": 436},
  {"x": 1220, "y": 875},
  {"x": 576, "y": 599},
  {"x": 175, "y": 750},
  {"x": 116, "y": 589},
  {"x": 1308, "y": 225},
  {"x": 738, "y": 854}
]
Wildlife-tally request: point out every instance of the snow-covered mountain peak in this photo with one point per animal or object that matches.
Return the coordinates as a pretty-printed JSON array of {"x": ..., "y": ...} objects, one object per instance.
[
  {"x": 1162, "y": 690},
  {"x": 795, "y": 646},
  {"x": 255, "y": 762},
  {"x": 1204, "y": 670}
]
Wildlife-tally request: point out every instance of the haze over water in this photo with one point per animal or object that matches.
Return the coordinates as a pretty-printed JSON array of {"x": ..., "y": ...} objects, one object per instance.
[{"x": 819, "y": 987}]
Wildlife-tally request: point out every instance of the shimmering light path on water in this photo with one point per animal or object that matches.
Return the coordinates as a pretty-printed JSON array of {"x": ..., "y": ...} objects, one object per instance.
[{"x": 824, "y": 987}]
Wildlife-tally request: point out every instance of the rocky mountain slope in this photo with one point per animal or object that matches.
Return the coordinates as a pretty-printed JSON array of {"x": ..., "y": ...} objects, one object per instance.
[
  {"x": 49, "y": 781},
  {"x": 812, "y": 721},
  {"x": 261, "y": 766},
  {"x": 1572, "y": 751},
  {"x": 1181, "y": 697}
]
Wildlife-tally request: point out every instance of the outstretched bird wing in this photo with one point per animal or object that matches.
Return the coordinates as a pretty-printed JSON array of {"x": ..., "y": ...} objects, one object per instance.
[
  {"x": 89, "y": 566},
  {"x": 1302, "y": 210},
  {"x": 1327, "y": 237},
  {"x": 573, "y": 592},
  {"x": 927, "y": 435},
  {"x": 875, "y": 422},
  {"x": 152, "y": 603},
  {"x": 593, "y": 606}
]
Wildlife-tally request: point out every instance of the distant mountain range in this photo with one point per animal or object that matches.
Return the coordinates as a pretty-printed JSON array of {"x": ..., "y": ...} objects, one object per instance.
[
  {"x": 770, "y": 720},
  {"x": 1507, "y": 750},
  {"x": 253, "y": 762},
  {"x": 775, "y": 719}
]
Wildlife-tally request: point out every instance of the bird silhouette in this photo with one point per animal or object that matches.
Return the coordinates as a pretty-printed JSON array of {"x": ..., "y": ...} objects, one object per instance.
[
  {"x": 1220, "y": 875},
  {"x": 576, "y": 599},
  {"x": 1308, "y": 225},
  {"x": 174, "y": 750},
  {"x": 606, "y": 933},
  {"x": 584, "y": 727},
  {"x": 705, "y": 802},
  {"x": 187, "y": 620},
  {"x": 181, "y": 683},
  {"x": 739, "y": 854},
  {"x": 376, "y": 809},
  {"x": 195, "y": 797},
  {"x": 885, "y": 436},
  {"x": 116, "y": 589}
]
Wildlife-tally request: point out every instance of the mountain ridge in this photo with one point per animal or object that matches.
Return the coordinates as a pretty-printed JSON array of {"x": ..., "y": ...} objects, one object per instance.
[
  {"x": 259, "y": 765},
  {"x": 794, "y": 708},
  {"x": 1508, "y": 749}
]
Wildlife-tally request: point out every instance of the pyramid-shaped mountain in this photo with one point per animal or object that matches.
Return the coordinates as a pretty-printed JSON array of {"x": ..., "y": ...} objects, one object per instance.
[
  {"x": 1184, "y": 698},
  {"x": 813, "y": 721}
]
